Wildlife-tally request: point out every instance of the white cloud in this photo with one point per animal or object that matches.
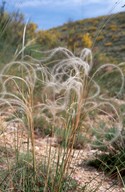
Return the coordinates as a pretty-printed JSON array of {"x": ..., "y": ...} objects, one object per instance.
[
  {"x": 55, "y": 3},
  {"x": 34, "y": 3}
]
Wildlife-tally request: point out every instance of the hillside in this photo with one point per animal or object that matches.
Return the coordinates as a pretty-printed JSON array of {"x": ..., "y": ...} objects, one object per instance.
[{"x": 107, "y": 34}]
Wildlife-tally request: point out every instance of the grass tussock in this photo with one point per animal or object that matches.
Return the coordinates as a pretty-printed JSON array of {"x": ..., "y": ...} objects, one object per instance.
[{"x": 56, "y": 96}]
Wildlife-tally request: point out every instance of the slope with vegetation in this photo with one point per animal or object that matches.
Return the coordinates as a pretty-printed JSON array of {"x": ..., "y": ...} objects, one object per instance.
[{"x": 107, "y": 34}]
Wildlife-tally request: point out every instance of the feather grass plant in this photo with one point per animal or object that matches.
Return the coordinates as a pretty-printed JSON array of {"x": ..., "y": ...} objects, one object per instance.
[
  {"x": 64, "y": 80},
  {"x": 68, "y": 95}
]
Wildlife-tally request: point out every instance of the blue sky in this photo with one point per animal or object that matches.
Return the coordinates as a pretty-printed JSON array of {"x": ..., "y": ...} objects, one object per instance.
[{"x": 51, "y": 13}]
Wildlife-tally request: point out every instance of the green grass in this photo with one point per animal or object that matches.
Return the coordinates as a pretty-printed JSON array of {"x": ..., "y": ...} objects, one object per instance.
[{"x": 111, "y": 163}]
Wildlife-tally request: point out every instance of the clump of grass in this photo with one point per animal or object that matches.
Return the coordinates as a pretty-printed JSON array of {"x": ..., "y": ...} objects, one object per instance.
[
  {"x": 110, "y": 163},
  {"x": 52, "y": 95},
  {"x": 21, "y": 177},
  {"x": 68, "y": 96},
  {"x": 63, "y": 93}
]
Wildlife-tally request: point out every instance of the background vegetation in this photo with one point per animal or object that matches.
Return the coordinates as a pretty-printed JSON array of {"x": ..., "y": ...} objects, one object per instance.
[{"x": 106, "y": 34}]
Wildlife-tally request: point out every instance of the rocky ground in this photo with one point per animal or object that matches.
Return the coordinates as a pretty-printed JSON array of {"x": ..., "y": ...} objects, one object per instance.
[{"x": 83, "y": 173}]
